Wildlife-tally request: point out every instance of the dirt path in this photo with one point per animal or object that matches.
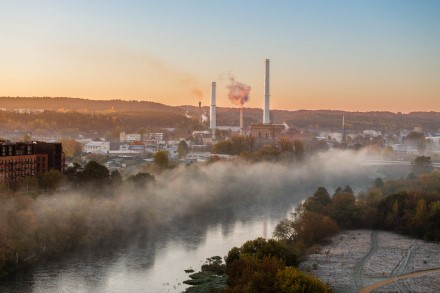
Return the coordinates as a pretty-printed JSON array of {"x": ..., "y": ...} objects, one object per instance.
[
  {"x": 357, "y": 274},
  {"x": 374, "y": 286}
]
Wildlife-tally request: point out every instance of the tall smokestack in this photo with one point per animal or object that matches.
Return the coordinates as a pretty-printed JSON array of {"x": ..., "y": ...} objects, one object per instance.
[
  {"x": 241, "y": 121},
  {"x": 212, "y": 114},
  {"x": 266, "y": 113}
]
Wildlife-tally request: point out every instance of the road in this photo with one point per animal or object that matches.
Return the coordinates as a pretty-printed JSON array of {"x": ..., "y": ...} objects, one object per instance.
[{"x": 379, "y": 284}]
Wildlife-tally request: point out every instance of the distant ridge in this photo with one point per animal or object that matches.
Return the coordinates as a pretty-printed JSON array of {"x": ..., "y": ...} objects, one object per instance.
[{"x": 78, "y": 104}]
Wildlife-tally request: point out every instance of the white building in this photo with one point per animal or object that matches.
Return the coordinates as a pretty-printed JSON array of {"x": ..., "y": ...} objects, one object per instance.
[
  {"x": 372, "y": 133},
  {"x": 155, "y": 136},
  {"x": 123, "y": 137},
  {"x": 97, "y": 147},
  {"x": 435, "y": 141}
]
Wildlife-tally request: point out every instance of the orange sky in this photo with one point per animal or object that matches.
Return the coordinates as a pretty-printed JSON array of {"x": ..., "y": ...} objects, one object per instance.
[{"x": 357, "y": 57}]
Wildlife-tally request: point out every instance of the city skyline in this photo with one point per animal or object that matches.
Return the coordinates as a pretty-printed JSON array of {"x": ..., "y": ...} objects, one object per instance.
[{"x": 354, "y": 56}]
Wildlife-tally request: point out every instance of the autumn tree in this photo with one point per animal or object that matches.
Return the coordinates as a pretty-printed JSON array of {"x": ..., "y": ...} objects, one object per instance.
[
  {"x": 71, "y": 147},
  {"x": 222, "y": 147},
  {"x": 161, "y": 159}
]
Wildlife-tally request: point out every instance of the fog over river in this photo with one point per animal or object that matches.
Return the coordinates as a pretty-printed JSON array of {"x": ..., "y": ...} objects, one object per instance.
[{"x": 199, "y": 212}]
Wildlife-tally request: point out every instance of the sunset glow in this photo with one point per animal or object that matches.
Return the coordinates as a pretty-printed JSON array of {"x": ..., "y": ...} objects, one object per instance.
[{"x": 347, "y": 55}]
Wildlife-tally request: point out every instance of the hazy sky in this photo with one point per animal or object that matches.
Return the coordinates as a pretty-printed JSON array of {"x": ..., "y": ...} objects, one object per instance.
[{"x": 349, "y": 55}]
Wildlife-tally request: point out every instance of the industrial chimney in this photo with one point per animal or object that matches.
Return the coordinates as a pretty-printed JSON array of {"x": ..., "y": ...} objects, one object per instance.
[
  {"x": 266, "y": 112},
  {"x": 212, "y": 114},
  {"x": 241, "y": 121}
]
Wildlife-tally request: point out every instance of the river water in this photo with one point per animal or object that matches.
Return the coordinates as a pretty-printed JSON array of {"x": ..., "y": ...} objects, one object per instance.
[{"x": 155, "y": 261}]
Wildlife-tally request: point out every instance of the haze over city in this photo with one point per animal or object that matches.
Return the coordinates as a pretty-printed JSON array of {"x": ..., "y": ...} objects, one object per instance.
[{"x": 346, "y": 55}]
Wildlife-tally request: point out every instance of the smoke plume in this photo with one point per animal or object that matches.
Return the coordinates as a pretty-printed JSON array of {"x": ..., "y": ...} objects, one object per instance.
[{"x": 238, "y": 92}]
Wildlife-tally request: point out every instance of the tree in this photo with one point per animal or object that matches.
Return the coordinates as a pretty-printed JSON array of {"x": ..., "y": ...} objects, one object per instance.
[
  {"x": 422, "y": 164},
  {"x": 343, "y": 209},
  {"x": 298, "y": 149},
  {"x": 238, "y": 144},
  {"x": 285, "y": 144},
  {"x": 50, "y": 180},
  {"x": 250, "y": 141},
  {"x": 291, "y": 280},
  {"x": 115, "y": 177},
  {"x": 267, "y": 153},
  {"x": 182, "y": 149},
  {"x": 222, "y": 147},
  {"x": 161, "y": 159},
  {"x": 141, "y": 179},
  {"x": 378, "y": 182},
  {"x": 95, "y": 173},
  {"x": 27, "y": 137},
  {"x": 71, "y": 147}
]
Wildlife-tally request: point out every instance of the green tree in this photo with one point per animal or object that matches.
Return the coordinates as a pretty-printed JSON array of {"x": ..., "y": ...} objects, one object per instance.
[
  {"x": 344, "y": 211},
  {"x": 182, "y": 149},
  {"x": 95, "y": 173},
  {"x": 161, "y": 159}
]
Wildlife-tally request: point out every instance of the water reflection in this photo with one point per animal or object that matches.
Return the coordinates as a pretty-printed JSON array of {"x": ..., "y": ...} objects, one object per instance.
[{"x": 154, "y": 261}]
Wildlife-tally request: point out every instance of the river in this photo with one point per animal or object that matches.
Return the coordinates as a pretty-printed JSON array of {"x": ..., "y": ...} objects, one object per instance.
[{"x": 155, "y": 261}]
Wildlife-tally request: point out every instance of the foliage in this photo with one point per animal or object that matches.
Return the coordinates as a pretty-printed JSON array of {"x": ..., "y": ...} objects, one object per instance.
[
  {"x": 222, "y": 147},
  {"x": 292, "y": 280},
  {"x": 161, "y": 159},
  {"x": 71, "y": 147},
  {"x": 306, "y": 228},
  {"x": 261, "y": 248},
  {"x": 182, "y": 149},
  {"x": 50, "y": 180},
  {"x": 422, "y": 165},
  {"x": 94, "y": 173},
  {"x": 116, "y": 177},
  {"x": 250, "y": 274},
  {"x": 141, "y": 179}
]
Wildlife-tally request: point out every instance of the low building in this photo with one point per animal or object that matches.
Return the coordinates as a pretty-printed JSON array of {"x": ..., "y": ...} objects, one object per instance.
[
  {"x": 267, "y": 131},
  {"x": 129, "y": 137},
  {"x": 97, "y": 147},
  {"x": 158, "y": 136}
]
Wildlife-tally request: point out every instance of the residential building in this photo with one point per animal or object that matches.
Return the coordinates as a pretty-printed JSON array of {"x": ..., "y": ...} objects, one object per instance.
[{"x": 24, "y": 159}]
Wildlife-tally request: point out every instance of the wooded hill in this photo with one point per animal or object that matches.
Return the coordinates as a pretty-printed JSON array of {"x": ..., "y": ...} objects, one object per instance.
[
  {"x": 103, "y": 116},
  {"x": 86, "y": 105}
]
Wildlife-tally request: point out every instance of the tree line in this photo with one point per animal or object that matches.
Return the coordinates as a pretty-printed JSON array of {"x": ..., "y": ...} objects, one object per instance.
[{"x": 409, "y": 206}]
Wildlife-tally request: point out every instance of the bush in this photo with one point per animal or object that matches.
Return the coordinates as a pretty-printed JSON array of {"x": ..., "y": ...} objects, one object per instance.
[{"x": 292, "y": 280}]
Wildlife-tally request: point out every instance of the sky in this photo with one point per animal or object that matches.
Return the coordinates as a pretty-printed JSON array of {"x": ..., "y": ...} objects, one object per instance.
[{"x": 375, "y": 55}]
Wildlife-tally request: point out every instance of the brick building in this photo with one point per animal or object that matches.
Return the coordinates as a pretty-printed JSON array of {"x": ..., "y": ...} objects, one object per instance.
[{"x": 24, "y": 159}]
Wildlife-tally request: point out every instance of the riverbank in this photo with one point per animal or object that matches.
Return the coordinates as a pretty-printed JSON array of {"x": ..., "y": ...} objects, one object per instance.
[{"x": 355, "y": 259}]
